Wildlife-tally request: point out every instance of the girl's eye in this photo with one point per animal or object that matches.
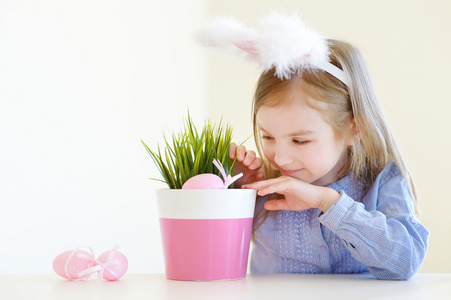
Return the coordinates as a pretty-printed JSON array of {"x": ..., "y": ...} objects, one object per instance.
[
  {"x": 301, "y": 142},
  {"x": 266, "y": 137}
]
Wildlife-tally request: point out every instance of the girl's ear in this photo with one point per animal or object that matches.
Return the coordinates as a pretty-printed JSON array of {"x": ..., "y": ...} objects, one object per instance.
[{"x": 355, "y": 133}]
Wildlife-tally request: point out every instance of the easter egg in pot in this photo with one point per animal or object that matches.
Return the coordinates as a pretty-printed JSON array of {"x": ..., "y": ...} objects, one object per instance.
[{"x": 211, "y": 181}]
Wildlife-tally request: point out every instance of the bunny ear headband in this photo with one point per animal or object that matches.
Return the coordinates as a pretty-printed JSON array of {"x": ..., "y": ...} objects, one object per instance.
[{"x": 283, "y": 42}]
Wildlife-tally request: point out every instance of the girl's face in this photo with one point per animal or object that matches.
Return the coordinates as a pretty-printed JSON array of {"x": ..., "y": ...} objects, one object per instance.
[{"x": 297, "y": 140}]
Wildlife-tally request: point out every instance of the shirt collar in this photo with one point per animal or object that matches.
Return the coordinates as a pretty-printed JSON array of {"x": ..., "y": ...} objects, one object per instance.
[{"x": 341, "y": 184}]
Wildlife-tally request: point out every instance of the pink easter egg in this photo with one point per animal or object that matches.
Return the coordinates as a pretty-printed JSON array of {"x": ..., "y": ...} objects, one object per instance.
[
  {"x": 69, "y": 263},
  {"x": 115, "y": 270},
  {"x": 204, "y": 181}
]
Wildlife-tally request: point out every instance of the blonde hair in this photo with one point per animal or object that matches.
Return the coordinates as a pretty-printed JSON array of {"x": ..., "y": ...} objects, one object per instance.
[{"x": 374, "y": 145}]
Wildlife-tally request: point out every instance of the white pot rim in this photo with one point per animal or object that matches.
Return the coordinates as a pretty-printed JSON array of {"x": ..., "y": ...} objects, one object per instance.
[{"x": 206, "y": 203}]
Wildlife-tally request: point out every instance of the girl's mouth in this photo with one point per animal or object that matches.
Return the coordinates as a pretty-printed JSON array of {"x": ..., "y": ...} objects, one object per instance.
[{"x": 290, "y": 172}]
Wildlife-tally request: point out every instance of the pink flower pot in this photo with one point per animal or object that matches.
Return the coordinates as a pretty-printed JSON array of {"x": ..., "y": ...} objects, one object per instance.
[{"x": 206, "y": 233}]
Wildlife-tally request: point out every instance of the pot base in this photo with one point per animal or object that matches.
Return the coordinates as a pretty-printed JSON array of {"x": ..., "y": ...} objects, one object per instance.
[{"x": 206, "y": 249}]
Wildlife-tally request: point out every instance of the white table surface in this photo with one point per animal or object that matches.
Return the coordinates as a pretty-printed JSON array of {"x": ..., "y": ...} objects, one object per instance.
[{"x": 274, "y": 287}]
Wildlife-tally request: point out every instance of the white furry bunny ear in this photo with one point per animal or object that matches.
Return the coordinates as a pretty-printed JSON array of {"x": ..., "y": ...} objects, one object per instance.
[
  {"x": 287, "y": 44},
  {"x": 228, "y": 34},
  {"x": 283, "y": 42}
]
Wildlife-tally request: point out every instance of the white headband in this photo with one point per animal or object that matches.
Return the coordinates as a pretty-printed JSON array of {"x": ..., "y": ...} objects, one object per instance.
[{"x": 283, "y": 42}]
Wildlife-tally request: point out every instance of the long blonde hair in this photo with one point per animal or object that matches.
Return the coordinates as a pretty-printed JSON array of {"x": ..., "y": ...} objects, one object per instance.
[{"x": 374, "y": 146}]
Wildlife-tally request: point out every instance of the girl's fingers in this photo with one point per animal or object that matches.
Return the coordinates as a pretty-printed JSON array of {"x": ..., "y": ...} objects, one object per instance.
[
  {"x": 276, "y": 205},
  {"x": 280, "y": 185},
  {"x": 261, "y": 185},
  {"x": 232, "y": 150},
  {"x": 259, "y": 176},
  {"x": 241, "y": 152},
  {"x": 256, "y": 164},
  {"x": 249, "y": 159}
]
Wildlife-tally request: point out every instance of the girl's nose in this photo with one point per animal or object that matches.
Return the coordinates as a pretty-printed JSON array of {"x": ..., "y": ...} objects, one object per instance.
[{"x": 282, "y": 157}]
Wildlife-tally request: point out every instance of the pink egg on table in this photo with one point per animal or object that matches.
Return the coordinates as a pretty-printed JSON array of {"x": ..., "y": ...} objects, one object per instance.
[
  {"x": 116, "y": 269},
  {"x": 204, "y": 181},
  {"x": 69, "y": 263}
]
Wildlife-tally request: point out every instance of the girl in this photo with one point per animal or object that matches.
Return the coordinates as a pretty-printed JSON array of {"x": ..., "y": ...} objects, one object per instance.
[{"x": 336, "y": 196}]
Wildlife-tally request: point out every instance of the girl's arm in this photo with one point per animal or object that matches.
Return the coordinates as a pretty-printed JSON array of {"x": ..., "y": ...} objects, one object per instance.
[{"x": 385, "y": 235}]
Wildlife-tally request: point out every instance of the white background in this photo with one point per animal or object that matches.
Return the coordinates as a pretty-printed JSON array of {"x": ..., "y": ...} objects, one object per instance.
[{"x": 82, "y": 82}]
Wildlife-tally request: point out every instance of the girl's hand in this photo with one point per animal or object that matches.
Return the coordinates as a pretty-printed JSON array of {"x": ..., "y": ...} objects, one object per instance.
[
  {"x": 299, "y": 195},
  {"x": 247, "y": 163}
]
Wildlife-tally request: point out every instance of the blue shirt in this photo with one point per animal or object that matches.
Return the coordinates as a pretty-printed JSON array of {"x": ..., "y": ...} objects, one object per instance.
[{"x": 380, "y": 235}]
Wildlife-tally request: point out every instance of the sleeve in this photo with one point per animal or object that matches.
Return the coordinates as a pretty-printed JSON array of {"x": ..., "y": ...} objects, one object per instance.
[{"x": 389, "y": 240}]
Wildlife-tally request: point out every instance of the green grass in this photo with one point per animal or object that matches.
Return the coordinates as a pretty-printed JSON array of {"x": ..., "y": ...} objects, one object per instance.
[{"x": 191, "y": 152}]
